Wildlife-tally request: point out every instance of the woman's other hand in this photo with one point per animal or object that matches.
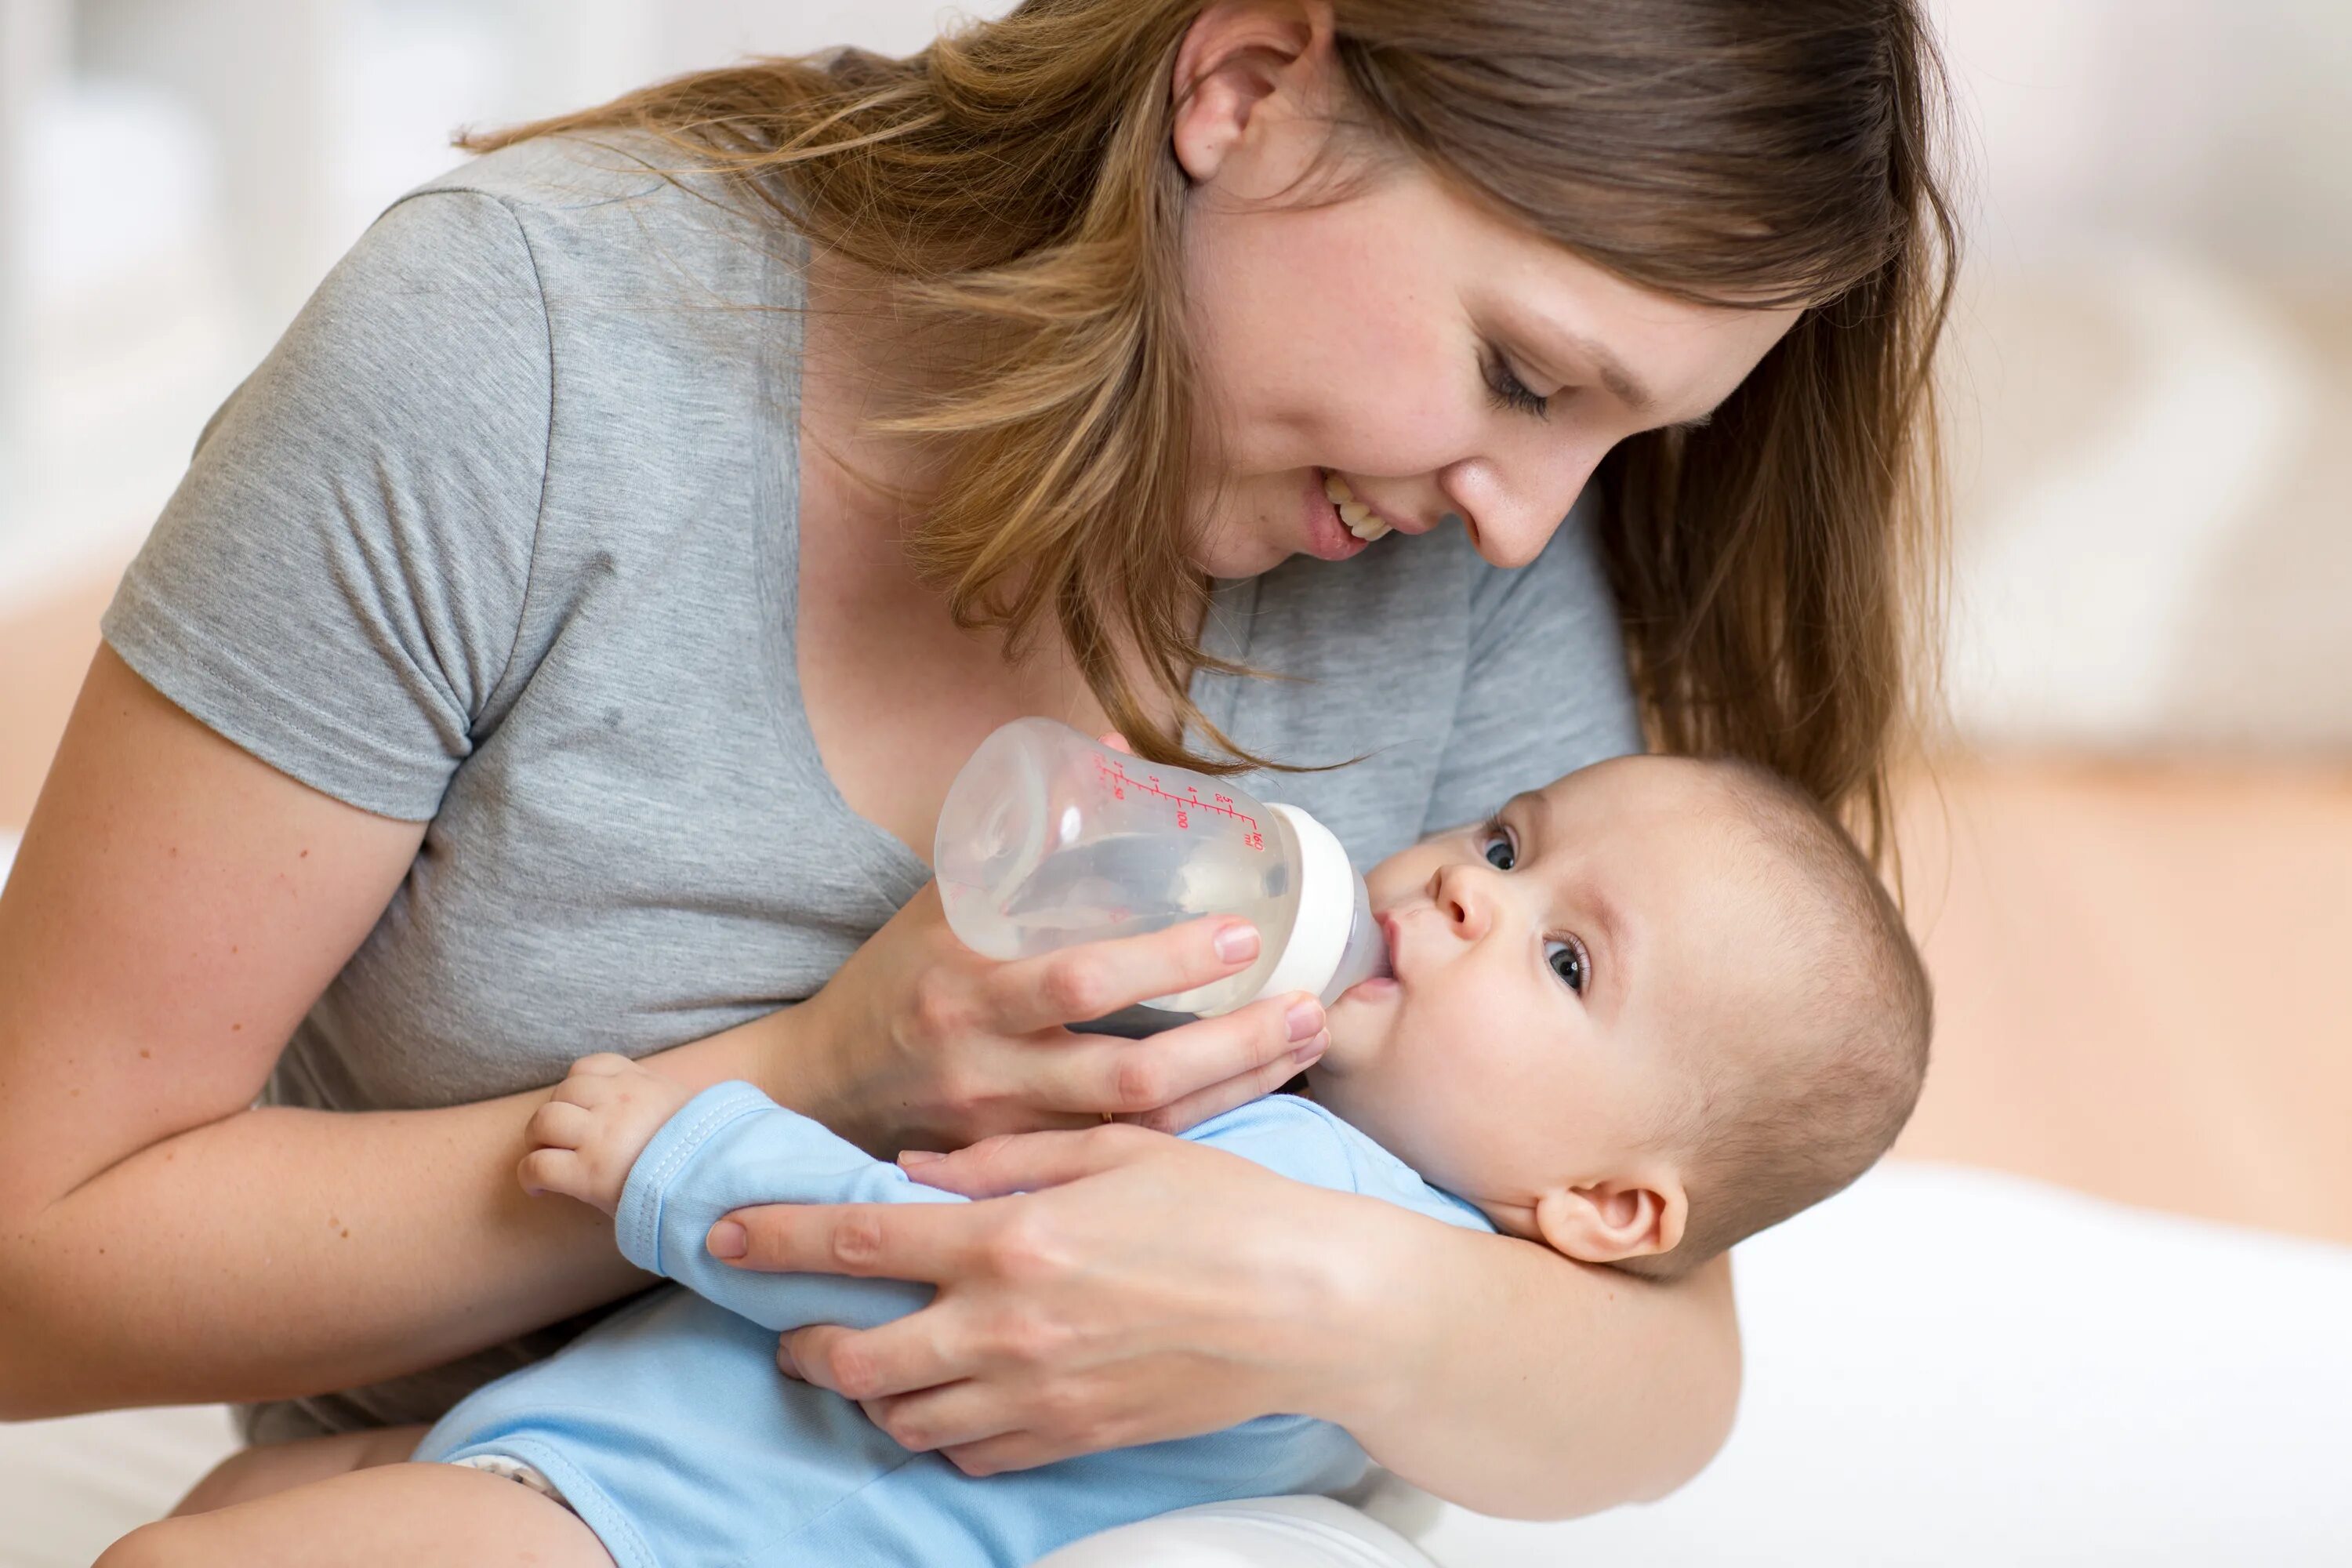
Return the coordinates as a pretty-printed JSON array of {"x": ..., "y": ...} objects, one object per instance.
[
  {"x": 919, "y": 1042},
  {"x": 1141, "y": 1289}
]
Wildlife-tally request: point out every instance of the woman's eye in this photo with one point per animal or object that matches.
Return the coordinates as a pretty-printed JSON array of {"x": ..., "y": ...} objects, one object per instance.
[
  {"x": 1508, "y": 391},
  {"x": 1499, "y": 853},
  {"x": 1567, "y": 960}
]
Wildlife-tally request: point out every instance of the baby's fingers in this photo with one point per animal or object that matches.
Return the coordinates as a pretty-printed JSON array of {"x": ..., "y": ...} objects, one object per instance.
[
  {"x": 558, "y": 1171},
  {"x": 559, "y": 1124},
  {"x": 603, "y": 1064},
  {"x": 587, "y": 1092}
]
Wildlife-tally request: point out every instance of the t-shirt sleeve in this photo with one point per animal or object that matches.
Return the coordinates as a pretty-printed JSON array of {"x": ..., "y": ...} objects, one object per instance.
[
  {"x": 1546, "y": 690},
  {"x": 337, "y": 583}
]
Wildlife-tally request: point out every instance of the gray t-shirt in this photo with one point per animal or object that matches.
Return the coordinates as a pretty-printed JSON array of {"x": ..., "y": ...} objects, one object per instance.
[{"x": 502, "y": 536}]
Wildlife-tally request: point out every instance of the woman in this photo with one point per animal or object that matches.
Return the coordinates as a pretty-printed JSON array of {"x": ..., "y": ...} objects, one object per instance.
[{"x": 558, "y": 643}]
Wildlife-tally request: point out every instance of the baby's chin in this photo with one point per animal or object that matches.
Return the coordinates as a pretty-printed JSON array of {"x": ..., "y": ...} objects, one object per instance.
[{"x": 1360, "y": 1021}]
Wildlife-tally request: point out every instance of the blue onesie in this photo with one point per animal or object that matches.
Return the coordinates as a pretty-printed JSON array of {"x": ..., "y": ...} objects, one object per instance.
[{"x": 667, "y": 1429}]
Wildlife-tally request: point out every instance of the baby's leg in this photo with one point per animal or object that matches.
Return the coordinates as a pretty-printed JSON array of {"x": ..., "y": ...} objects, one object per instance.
[
  {"x": 258, "y": 1472},
  {"x": 390, "y": 1516}
]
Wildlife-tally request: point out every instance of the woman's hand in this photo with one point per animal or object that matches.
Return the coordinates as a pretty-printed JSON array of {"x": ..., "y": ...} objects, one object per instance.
[
  {"x": 918, "y": 1042},
  {"x": 1142, "y": 1289}
]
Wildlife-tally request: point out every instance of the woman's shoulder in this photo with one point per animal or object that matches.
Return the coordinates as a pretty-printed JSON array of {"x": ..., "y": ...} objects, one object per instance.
[{"x": 620, "y": 219}]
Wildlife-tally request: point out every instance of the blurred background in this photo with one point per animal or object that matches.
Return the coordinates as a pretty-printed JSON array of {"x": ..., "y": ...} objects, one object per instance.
[{"x": 2129, "y": 853}]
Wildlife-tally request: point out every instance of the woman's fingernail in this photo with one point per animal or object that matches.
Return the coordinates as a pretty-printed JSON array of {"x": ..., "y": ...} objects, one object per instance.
[
  {"x": 727, "y": 1239},
  {"x": 1307, "y": 1055},
  {"x": 784, "y": 1361},
  {"x": 919, "y": 1156},
  {"x": 1305, "y": 1018},
  {"x": 1237, "y": 942}
]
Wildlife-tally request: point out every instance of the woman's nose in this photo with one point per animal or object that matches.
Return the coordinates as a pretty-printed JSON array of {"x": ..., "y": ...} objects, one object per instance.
[{"x": 1512, "y": 514}]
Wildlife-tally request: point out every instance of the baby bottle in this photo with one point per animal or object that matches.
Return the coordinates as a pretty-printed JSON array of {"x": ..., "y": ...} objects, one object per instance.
[{"x": 1047, "y": 839}]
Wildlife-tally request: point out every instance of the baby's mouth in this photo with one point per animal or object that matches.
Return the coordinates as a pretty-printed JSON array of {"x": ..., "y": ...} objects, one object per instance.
[{"x": 1386, "y": 979}]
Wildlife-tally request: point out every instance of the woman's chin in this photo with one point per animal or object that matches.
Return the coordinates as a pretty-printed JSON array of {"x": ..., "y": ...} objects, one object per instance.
[{"x": 1230, "y": 558}]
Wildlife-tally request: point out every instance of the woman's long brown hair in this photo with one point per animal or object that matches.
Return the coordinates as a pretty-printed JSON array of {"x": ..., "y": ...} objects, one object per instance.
[{"x": 1015, "y": 183}]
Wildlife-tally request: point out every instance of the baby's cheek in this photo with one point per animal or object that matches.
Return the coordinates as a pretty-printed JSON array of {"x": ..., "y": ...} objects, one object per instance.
[{"x": 1396, "y": 878}]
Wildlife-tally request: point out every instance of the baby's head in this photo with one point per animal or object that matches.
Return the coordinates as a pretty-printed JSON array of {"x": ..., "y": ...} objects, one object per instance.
[{"x": 1643, "y": 1013}]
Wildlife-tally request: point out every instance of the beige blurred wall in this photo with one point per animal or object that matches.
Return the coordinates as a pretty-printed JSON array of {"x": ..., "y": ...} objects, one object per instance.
[{"x": 2149, "y": 384}]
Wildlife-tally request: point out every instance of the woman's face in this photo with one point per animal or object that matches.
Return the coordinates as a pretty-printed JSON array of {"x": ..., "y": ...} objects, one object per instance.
[{"x": 1402, "y": 344}]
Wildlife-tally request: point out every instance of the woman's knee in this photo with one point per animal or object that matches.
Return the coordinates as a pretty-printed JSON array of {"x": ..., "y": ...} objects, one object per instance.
[
  {"x": 1263, "y": 1532},
  {"x": 166, "y": 1543}
]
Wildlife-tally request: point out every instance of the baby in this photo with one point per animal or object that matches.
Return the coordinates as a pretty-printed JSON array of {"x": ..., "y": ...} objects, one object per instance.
[{"x": 1635, "y": 1017}]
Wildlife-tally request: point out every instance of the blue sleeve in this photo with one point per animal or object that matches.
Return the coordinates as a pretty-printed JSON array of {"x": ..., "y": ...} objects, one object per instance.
[
  {"x": 1546, "y": 690},
  {"x": 728, "y": 1148},
  {"x": 1294, "y": 1137}
]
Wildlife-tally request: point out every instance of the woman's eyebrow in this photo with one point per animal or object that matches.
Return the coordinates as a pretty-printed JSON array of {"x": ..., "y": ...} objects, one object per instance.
[{"x": 1621, "y": 382}]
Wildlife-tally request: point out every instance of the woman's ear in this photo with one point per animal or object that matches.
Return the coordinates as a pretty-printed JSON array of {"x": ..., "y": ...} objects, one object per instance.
[
  {"x": 1239, "y": 57},
  {"x": 1610, "y": 1221}
]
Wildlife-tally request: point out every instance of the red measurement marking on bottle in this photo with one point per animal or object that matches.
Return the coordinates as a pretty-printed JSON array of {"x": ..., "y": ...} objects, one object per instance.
[{"x": 1116, "y": 778}]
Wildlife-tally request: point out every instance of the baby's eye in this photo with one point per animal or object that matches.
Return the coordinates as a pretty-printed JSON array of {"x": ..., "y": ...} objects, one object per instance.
[
  {"x": 1568, "y": 961},
  {"x": 1499, "y": 853}
]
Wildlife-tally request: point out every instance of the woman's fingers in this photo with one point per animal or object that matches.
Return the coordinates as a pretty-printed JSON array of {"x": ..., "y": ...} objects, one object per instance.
[
  {"x": 1134, "y": 1078},
  {"x": 900, "y": 1357},
  {"x": 1024, "y": 1162},
  {"x": 927, "y": 1242},
  {"x": 1097, "y": 978},
  {"x": 1009, "y": 1451},
  {"x": 1240, "y": 1089},
  {"x": 952, "y": 1415}
]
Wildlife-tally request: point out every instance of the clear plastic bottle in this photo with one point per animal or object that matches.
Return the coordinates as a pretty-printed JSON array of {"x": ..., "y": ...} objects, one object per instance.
[{"x": 1047, "y": 839}]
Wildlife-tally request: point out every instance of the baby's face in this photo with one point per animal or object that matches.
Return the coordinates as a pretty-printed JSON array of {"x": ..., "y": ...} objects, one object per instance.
[{"x": 1548, "y": 965}]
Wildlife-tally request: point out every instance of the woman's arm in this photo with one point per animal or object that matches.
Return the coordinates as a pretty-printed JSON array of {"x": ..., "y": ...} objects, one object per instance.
[
  {"x": 1521, "y": 1383},
  {"x": 1492, "y": 1372},
  {"x": 176, "y": 907}
]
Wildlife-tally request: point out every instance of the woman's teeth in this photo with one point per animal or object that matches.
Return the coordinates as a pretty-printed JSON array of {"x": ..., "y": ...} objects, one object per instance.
[{"x": 1361, "y": 520}]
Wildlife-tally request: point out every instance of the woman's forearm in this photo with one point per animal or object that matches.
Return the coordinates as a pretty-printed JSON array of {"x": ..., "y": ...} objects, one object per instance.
[
  {"x": 279, "y": 1252},
  {"x": 1522, "y": 1384}
]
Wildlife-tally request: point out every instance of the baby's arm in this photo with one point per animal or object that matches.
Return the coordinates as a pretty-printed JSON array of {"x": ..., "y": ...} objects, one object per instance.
[{"x": 667, "y": 1165}]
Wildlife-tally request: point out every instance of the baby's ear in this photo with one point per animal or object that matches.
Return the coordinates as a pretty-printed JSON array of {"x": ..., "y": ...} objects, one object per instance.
[{"x": 1612, "y": 1220}]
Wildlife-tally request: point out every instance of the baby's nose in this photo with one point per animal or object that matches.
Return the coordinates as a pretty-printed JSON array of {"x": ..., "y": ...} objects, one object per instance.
[{"x": 1462, "y": 901}]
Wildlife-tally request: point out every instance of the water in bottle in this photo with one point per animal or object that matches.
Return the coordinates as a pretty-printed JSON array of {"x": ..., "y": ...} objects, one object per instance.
[{"x": 1047, "y": 838}]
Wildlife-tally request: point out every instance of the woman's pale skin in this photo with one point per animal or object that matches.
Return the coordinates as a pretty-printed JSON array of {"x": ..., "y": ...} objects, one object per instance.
[{"x": 178, "y": 906}]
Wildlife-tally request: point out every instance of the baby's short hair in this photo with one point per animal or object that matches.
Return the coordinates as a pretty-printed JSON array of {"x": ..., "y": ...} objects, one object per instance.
[{"x": 1822, "y": 1092}]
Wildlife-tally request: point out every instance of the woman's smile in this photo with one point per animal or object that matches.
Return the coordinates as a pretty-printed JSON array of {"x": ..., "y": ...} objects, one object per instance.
[{"x": 1328, "y": 537}]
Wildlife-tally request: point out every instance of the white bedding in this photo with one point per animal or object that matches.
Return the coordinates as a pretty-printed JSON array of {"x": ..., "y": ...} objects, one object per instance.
[{"x": 1945, "y": 1367}]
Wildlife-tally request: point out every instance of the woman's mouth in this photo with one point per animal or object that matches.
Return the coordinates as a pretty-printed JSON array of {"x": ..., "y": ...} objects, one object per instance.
[
  {"x": 1328, "y": 535},
  {"x": 1359, "y": 519}
]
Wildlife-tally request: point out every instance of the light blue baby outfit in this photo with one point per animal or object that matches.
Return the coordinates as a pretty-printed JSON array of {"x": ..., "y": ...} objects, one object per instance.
[{"x": 669, "y": 1430}]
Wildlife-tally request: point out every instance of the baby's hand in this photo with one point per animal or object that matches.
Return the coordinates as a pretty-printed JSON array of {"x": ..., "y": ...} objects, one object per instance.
[{"x": 584, "y": 1139}]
